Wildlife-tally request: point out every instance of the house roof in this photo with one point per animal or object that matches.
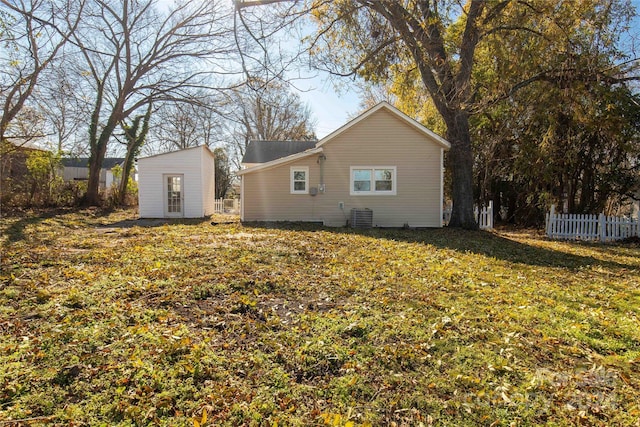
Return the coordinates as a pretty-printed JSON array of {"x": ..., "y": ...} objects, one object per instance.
[
  {"x": 280, "y": 161},
  {"x": 318, "y": 145},
  {"x": 266, "y": 151},
  {"x": 83, "y": 162}
]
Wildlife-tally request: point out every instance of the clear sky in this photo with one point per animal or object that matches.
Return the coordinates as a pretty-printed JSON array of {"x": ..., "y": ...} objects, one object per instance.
[{"x": 330, "y": 108}]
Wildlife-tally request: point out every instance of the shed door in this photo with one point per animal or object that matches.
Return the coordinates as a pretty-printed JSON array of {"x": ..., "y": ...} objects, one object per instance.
[{"x": 174, "y": 195}]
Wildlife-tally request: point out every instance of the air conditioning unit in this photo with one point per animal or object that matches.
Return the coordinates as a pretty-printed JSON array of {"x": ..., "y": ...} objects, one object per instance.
[{"x": 361, "y": 218}]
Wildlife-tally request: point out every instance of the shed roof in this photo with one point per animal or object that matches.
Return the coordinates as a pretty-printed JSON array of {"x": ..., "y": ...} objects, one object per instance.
[
  {"x": 171, "y": 153},
  {"x": 83, "y": 162},
  {"x": 266, "y": 151}
]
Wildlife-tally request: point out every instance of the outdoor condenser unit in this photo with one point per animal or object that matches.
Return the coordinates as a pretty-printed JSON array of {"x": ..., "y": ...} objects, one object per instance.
[{"x": 361, "y": 218}]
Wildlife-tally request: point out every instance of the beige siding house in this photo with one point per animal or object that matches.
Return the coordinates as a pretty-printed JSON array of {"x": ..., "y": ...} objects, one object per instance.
[
  {"x": 382, "y": 162},
  {"x": 180, "y": 184}
]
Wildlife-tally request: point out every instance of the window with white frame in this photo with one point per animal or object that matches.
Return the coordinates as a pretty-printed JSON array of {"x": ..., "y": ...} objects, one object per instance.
[
  {"x": 373, "y": 180},
  {"x": 299, "y": 180}
]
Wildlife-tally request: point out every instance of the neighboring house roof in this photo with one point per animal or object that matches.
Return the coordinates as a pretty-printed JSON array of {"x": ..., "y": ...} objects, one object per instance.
[
  {"x": 266, "y": 151},
  {"x": 318, "y": 145},
  {"x": 83, "y": 162}
]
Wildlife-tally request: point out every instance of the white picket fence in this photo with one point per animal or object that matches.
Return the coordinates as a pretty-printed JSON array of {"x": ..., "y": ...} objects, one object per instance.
[
  {"x": 590, "y": 227},
  {"x": 484, "y": 216},
  {"x": 229, "y": 206}
]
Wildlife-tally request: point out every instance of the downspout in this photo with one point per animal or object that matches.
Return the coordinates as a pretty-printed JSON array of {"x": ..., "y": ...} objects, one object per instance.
[
  {"x": 321, "y": 159},
  {"x": 441, "y": 186},
  {"x": 242, "y": 198}
]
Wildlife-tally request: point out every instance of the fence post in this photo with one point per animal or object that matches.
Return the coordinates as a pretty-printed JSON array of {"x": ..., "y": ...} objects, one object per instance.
[
  {"x": 490, "y": 215},
  {"x": 552, "y": 214},
  {"x": 602, "y": 223}
]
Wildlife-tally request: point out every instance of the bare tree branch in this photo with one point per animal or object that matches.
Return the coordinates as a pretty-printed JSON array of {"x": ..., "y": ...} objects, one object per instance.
[
  {"x": 138, "y": 57},
  {"x": 37, "y": 50}
]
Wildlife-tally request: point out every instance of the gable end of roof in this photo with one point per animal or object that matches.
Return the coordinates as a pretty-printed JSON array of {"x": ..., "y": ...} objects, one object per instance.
[{"x": 385, "y": 105}]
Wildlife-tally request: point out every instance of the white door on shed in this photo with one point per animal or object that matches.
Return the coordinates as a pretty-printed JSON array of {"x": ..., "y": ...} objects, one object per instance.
[{"x": 174, "y": 195}]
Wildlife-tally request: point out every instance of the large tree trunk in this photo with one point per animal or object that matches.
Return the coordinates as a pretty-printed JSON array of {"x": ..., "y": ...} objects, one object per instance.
[
  {"x": 92, "y": 198},
  {"x": 135, "y": 139},
  {"x": 98, "y": 142},
  {"x": 124, "y": 178},
  {"x": 461, "y": 163},
  {"x": 98, "y": 152}
]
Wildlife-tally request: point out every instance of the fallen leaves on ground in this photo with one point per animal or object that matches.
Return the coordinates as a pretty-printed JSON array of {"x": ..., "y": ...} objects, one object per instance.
[{"x": 109, "y": 320}]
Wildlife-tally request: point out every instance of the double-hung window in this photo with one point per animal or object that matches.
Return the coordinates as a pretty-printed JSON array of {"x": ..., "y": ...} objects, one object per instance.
[
  {"x": 373, "y": 180},
  {"x": 299, "y": 180}
]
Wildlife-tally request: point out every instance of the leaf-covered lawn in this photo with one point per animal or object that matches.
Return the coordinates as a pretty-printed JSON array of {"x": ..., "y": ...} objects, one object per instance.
[{"x": 106, "y": 321}]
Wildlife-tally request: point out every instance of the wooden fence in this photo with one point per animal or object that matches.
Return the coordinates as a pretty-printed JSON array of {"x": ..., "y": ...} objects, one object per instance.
[
  {"x": 590, "y": 227},
  {"x": 484, "y": 216},
  {"x": 229, "y": 206}
]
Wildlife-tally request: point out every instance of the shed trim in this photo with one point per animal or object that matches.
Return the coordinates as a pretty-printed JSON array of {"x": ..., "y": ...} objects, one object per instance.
[{"x": 207, "y": 149}]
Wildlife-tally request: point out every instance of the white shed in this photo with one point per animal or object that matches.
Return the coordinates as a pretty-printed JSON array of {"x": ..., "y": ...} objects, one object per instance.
[{"x": 180, "y": 184}]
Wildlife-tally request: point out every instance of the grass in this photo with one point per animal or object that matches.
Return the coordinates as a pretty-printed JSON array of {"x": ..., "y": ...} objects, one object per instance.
[{"x": 109, "y": 321}]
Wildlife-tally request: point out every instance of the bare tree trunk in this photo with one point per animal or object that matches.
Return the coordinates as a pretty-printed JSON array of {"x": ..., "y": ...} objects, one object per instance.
[
  {"x": 124, "y": 178},
  {"x": 98, "y": 152},
  {"x": 135, "y": 139},
  {"x": 92, "y": 198}
]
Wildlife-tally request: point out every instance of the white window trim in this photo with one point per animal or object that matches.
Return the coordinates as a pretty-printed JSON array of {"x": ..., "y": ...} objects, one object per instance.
[
  {"x": 292, "y": 172},
  {"x": 373, "y": 192}
]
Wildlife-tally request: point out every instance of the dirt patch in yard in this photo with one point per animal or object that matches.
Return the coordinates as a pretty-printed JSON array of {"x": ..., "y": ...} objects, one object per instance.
[{"x": 212, "y": 311}]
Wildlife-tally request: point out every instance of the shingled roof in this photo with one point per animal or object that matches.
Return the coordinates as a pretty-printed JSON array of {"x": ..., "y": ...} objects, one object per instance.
[{"x": 266, "y": 151}]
